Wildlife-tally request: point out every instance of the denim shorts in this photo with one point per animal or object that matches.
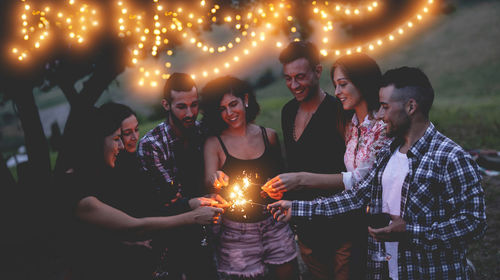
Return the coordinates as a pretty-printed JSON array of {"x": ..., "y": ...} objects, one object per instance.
[{"x": 244, "y": 249}]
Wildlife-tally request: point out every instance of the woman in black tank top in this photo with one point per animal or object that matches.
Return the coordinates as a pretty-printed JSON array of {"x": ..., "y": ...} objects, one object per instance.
[{"x": 249, "y": 238}]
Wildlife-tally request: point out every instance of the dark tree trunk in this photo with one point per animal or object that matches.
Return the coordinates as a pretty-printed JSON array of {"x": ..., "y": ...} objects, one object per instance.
[{"x": 37, "y": 146}]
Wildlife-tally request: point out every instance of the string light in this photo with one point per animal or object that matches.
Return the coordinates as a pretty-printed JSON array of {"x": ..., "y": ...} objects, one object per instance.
[{"x": 253, "y": 26}]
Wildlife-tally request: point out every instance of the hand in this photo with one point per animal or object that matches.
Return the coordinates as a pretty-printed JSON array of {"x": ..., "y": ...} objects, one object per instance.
[
  {"x": 393, "y": 232},
  {"x": 282, "y": 183},
  {"x": 281, "y": 210},
  {"x": 219, "y": 180},
  {"x": 219, "y": 200},
  {"x": 206, "y": 215},
  {"x": 216, "y": 201}
]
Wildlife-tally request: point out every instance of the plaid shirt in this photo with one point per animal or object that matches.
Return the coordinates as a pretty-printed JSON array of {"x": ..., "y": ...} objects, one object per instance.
[
  {"x": 157, "y": 157},
  {"x": 442, "y": 203}
]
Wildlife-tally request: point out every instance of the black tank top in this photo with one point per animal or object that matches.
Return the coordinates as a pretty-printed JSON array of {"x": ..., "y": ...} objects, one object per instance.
[{"x": 258, "y": 170}]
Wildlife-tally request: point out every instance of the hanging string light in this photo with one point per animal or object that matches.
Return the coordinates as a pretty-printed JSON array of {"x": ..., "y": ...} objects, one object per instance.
[{"x": 152, "y": 32}]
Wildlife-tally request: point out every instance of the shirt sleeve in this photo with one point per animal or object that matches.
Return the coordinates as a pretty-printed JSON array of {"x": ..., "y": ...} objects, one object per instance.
[
  {"x": 464, "y": 196},
  {"x": 150, "y": 157},
  {"x": 343, "y": 202}
]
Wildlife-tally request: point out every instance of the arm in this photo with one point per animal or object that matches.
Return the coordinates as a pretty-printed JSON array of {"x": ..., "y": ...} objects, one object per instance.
[
  {"x": 464, "y": 197},
  {"x": 300, "y": 180},
  {"x": 97, "y": 213},
  {"x": 330, "y": 206},
  {"x": 214, "y": 178}
]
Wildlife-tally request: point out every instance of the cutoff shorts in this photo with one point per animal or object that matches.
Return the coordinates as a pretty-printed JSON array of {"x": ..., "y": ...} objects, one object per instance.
[{"x": 244, "y": 249}]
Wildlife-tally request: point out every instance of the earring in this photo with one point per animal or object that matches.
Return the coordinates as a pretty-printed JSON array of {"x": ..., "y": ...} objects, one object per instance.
[{"x": 246, "y": 105}]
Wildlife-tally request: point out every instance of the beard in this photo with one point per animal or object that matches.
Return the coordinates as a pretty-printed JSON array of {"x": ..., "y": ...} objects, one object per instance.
[
  {"x": 188, "y": 132},
  {"x": 401, "y": 128}
]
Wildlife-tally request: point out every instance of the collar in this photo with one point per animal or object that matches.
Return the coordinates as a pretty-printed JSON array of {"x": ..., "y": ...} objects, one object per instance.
[{"x": 419, "y": 148}]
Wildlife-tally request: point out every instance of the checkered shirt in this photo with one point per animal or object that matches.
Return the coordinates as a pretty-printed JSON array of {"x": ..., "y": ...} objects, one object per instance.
[
  {"x": 442, "y": 203},
  {"x": 157, "y": 157}
]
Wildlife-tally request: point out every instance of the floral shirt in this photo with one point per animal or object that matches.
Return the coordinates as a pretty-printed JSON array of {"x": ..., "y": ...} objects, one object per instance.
[{"x": 363, "y": 141}]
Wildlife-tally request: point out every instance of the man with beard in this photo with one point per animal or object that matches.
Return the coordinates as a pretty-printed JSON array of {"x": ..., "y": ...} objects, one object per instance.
[
  {"x": 427, "y": 183},
  {"x": 171, "y": 155},
  {"x": 313, "y": 125}
]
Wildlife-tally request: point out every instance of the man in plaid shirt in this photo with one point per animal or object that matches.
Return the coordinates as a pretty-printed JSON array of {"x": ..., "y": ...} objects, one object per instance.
[
  {"x": 171, "y": 155},
  {"x": 439, "y": 195}
]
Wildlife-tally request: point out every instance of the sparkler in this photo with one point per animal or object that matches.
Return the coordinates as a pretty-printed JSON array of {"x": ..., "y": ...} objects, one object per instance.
[{"x": 238, "y": 197}]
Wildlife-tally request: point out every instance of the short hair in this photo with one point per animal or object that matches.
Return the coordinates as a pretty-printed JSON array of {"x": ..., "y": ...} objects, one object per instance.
[
  {"x": 212, "y": 94},
  {"x": 300, "y": 49},
  {"x": 117, "y": 111},
  {"x": 178, "y": 82},
  {"x": 411, "y": 83},
  {"x": 364, "y": 73}
]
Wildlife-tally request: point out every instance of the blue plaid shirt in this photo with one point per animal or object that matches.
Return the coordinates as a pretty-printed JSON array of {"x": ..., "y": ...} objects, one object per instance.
[
  {"x": 442, "y": 203},
  {"x": 157, "y": 158}
]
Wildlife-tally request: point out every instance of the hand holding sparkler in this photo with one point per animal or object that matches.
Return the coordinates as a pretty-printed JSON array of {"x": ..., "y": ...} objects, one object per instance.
[{"x": 219, "y": 180}]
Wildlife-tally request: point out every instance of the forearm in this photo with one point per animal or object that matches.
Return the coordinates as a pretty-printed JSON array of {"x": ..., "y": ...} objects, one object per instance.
[
  {"x": 151, "y": 224},
  {"x": 94, "y": 212},
  {"x": 332, "y": 205},
  {"x": 321, "y": 181}
]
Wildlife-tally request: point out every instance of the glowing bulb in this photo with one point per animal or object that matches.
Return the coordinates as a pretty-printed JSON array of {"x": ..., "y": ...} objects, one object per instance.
[
  {"x": 236, "y": 58},
  {"x": 205, "y": 73},
  {"x": 279, "y": 44},
  {"x": 289, "y": 18},
  {"x": 324, "y": 52},
  {"x": 379, "y": 42},
  {"x": 337, "y": 52},
  {"x": 216, "y": 70},
  {"x": 410, "y": 24},
  {"x": 134, "y": 60},
  {"x": 401, "y": 31},
  {"x": 391, "y": 37},
  {"x": 226, "y": 65}
]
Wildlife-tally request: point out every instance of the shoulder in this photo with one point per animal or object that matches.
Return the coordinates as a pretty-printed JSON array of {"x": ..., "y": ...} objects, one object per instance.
[
  {"x": 153, "y": 135},
  {"x": 331, "y": 101},
  {"x": 211, "y": 144},
  {"x": 289, "y": 107},
  {"x": 446, "y": 150},
  {"x": 272, "y": 136}
]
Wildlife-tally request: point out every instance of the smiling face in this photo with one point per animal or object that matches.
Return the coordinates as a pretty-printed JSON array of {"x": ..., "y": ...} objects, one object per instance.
[
  {"x": 232, "y": 110},
  {"x": 302, "y": 79},
  {"x": 346, "y": 91},
  {"x": 112, "y": 146},
  {"x": 393, "y": 113},
  {"x": 130, "y": 133}
]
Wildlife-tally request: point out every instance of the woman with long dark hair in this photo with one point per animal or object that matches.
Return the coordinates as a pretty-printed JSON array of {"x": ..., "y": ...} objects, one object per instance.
[
  {"x": 98, "y": 226},
  {"x": 249, "y": 239}
]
